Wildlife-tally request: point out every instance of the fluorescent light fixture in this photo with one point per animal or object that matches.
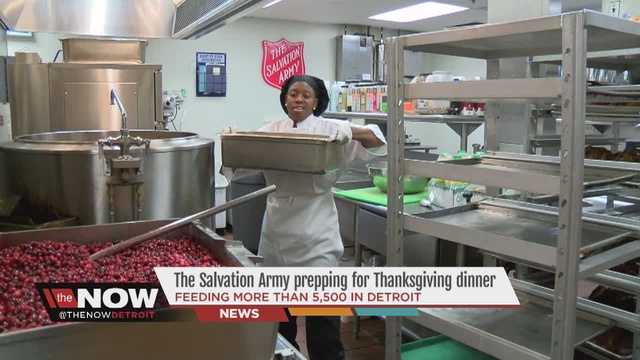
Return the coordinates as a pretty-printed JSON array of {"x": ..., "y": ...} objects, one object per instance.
[
  {"x": 429, "y": 9},
  {"x": 271, "y": 3},
  {"x": 19, "y": 33}
]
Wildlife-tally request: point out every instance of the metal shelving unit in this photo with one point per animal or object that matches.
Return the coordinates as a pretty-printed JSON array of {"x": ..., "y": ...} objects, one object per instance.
[
  {"x": 552, "y": 322},
  {"x": 604, "y": 119},
  {"x": 612, "y": 59},
  {"x": 462, "y": 125}
]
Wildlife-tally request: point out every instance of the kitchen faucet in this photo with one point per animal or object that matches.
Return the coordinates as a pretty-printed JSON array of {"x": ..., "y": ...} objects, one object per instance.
[
  {"x": 124, "y": 141},
  {"x": 115, "y": 99}
]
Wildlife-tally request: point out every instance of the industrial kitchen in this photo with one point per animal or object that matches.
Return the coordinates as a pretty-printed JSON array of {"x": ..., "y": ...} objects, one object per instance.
[{"x": 464, "y": 137}]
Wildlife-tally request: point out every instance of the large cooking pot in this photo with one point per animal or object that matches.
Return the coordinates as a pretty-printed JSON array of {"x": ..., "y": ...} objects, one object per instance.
[{"x": 63, "y": 172}]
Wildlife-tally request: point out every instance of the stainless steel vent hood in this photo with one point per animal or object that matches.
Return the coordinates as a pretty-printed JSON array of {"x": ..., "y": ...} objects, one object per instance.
[
  {"x": 196, "y": 18},
  {"x": 177, "y": 19}
]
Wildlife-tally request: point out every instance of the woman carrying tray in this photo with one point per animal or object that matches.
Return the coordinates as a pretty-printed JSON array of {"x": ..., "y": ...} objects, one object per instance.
[{"x": 300, "y": 226}]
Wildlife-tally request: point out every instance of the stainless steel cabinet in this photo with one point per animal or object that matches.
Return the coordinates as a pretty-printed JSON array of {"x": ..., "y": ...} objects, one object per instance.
[
  {"x": 420, "y": 250},
  {"x": 73, "y": 96}
]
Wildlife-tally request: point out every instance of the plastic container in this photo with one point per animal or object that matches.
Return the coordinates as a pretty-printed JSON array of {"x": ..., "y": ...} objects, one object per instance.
[
  {"x": 441, "y": 347},
  {"x": 418, "y": 105},
  {"x": 448, "y": 193},
  {"x": 384, "y": 107},
  {"x": 337, "y": 97},
  {"x": 437, "y": 106}
]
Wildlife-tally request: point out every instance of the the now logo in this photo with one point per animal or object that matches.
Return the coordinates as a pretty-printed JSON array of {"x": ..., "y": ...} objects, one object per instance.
[
  {"x": 117, "y": 298},
  {"x": 121, "y": 296}
]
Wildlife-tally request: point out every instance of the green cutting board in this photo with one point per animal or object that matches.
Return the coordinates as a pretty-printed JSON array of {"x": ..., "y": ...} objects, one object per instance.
[
  {"x": 441, "y": 347},
  {"x": 374, "y": 196}
]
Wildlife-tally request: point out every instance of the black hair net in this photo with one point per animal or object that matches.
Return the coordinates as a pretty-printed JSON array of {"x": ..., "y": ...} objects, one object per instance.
[{"x": 318, "y": 88}]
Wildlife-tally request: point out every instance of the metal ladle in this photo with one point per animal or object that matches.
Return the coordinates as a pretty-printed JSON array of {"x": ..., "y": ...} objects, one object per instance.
[{"x": 178, "y": 224}]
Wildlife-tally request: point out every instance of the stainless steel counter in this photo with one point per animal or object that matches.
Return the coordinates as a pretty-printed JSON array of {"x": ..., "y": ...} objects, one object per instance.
[{"x": 365, "y": 225}]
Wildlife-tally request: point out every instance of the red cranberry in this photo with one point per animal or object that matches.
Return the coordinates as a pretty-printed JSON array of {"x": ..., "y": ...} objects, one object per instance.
[{"x": 24, "y": 265}]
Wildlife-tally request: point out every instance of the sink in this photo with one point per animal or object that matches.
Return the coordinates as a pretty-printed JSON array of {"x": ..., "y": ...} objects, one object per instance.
[{"x": 356, "y": 184}]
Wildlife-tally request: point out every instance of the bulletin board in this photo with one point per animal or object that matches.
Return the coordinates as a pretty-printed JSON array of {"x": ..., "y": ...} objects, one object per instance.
[{"x": 211, "y": 74}]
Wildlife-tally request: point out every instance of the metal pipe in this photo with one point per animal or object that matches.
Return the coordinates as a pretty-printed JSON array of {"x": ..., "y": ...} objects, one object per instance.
[
  {"x": 608, "y": 241},
  {"x": 138, "y": 201},
  {"x": 636, "y": 335},
  {"x": 180, "y": 223},
  {"x": 112, "y": 215},
  {"x": 618, "y": 281},
  {"x": 115, "y": 100}
]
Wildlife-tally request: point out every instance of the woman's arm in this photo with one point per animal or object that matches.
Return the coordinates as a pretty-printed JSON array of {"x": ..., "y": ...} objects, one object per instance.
[{"x": 366, "y": 137}]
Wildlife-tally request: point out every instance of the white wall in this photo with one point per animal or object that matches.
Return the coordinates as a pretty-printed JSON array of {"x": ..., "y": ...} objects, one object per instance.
[
  {"x": 250, "y": 101},
  {"x": 459, "y": 66}
]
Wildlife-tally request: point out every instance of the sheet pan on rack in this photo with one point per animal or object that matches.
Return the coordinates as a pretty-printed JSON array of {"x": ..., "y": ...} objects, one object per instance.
[
  {"x": 529, "y": 232},
  {"x": 593, "y": 176}
]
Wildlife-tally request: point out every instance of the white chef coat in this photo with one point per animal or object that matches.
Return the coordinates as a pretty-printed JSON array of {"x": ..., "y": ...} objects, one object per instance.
[{"x": 300, "y": 225}]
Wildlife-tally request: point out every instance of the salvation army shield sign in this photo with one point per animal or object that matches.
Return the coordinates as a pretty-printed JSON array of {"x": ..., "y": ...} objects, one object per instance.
[{"x": 281, "y": 60}]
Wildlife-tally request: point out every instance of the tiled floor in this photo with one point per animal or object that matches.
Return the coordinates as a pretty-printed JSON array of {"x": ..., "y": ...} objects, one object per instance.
[{"x": 369, "y": 345}]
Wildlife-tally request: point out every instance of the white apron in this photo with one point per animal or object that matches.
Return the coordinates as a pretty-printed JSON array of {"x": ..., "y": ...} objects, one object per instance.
[{"x": 300, "y": 226}]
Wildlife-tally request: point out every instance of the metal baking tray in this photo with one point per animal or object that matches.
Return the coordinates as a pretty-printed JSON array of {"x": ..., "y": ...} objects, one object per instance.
[
  {"x": 612, "y": 200},
  {"x": 593, "y": 176},
  {"x": 555, "y": 140},
  {"x": 531, "y": 174},
  {"x": 160, "y": 340},
  {"x": 613, "y": 93},
  {"x": 604, "y": 352},
  {"x": 301, "y": 153},
  {"x": 518, "y": 333},
  {"x": 514, "y": 230},
  {"x": 631, "y": 112},
  {"x": 588, "y": 193}
]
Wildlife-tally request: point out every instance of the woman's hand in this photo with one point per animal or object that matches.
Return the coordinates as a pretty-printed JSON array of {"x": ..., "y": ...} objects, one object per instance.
[{"x": 342, "y": 135}]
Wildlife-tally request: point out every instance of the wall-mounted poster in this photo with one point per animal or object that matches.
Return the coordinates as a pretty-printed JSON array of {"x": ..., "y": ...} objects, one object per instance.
[
  {"x": 281, "y": 60},
  {"x": 211, "y": 74}
]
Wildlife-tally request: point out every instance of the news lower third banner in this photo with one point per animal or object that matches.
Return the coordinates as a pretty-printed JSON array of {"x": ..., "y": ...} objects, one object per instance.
[{"x": 263, "y": 294}]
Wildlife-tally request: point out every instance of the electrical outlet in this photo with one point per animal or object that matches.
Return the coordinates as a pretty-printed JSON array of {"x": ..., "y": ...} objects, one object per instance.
[{"x": 614, "y": 8}]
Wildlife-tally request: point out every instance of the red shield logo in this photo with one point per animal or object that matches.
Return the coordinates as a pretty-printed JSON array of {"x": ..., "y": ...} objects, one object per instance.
[{"x": 281, "y": 60}]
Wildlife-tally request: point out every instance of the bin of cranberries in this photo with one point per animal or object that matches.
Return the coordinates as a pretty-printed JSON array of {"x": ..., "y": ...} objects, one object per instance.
[{"x": 22, "y": 266}]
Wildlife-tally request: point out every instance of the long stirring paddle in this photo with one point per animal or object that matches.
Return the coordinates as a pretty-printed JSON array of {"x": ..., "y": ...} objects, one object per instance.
[{"x": 179, "y": 223}]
